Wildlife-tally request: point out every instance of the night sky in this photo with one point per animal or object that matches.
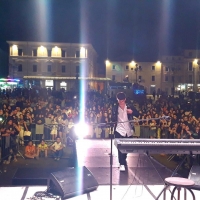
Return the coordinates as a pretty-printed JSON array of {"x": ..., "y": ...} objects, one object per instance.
[{"x": 118, "y": 29}]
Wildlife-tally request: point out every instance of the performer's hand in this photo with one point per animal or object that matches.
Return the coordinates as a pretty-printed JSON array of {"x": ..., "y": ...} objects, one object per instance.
[{"x": 129, "y": 111}]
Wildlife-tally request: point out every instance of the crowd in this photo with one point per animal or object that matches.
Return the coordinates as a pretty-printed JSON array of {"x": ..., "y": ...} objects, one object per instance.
[{"x": 31, "y": 117}]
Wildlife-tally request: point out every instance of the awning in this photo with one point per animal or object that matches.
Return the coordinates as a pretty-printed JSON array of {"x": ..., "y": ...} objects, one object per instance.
[{"x": 67, "y": 78}]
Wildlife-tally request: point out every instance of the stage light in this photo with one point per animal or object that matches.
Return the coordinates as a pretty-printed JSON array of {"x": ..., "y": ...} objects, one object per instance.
[{"x": 81, "y": 130}]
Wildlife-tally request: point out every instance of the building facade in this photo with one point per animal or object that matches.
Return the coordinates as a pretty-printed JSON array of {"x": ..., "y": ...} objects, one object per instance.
[
  {"x": 54, "y": 65},
  {"x": 147, "y": 74},
  {"x": 181, "y": 73},
  {"x": 171, "y": 74}
]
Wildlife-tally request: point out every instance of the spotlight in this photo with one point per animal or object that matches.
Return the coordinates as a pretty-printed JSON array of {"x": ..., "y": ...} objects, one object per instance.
[
  {"x": 81, "y": 130},
  {"x": 75, "y": 97}
]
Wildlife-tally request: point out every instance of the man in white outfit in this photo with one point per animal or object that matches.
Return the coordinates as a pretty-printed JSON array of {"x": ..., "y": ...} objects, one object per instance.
[{"x": 123, "y": 127}]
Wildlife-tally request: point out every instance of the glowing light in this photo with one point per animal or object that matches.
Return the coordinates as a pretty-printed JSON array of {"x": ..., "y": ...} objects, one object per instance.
[
  {"x": 14, "y": 50},
  {"x": 158, "y": 62},
  {"x": 9, "y": 79},
  {"x": 56, "y": 49},
  {"x": 82, "y": 52},
  {"x": 133, "y": 63},
  {"x": 107, "y": 62},
  {"x": 42, "y": 49},
  {"x": 81, "y": 130},
  {"x": 195, "y": 61},
  {"x": 14, "y": 47}
]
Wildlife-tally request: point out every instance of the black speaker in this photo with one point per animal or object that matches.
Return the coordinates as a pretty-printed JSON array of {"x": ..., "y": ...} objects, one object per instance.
[
  {"x": 195, "y": 176},
  {"x": 71, "y": 182}
]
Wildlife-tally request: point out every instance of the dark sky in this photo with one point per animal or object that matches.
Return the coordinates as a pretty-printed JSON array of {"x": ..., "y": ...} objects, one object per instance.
[{"x": 118, "y": 29}]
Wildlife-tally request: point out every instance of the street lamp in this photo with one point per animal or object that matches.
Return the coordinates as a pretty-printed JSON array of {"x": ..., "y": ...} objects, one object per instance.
[{"x": 136, "y": 68}]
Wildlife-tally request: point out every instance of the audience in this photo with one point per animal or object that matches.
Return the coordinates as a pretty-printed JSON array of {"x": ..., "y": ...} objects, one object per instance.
[{"x": 42, "y": 114}]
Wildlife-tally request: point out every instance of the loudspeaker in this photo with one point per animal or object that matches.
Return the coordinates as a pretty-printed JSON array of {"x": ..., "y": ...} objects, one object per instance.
[
  {"x": 71, "y": 182},
  {"x": 194, "y": 175}
]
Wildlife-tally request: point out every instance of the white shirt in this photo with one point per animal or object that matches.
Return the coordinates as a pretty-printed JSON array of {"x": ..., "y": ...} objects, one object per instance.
[{"x": 123, "y": 128}]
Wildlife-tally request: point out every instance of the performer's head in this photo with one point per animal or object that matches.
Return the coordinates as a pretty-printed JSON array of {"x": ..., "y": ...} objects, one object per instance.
[{"x": 121, "y": 98}]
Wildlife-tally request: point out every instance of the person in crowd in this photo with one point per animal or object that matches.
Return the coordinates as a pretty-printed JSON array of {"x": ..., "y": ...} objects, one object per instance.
[
  {"x": 27, "y": 121},
  {"x": 196, "y": 133},
  {"x": 12, "y": 130},
  {"x": 42, "y": 149},
  {"x": 54, "y": 129},
  {"x": 39, "y": 127},
  {"x": 63, "y": 127},
  {"x": 57, "y": 149},
  {"x": 30, "y": 151}
]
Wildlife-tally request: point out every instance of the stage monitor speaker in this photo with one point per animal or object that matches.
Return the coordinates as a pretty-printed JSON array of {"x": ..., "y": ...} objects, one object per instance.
[
  {"x": 71, "y": 182},
  {"x": 194, "y": 175}
]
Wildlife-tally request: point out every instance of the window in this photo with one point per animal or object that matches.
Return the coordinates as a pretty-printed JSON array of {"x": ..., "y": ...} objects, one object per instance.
[
  {"x": 77, "y": 69},
  {"x": 153, "y": 78},
  {"x": 166, "y": 69},
  {"x": 113, "y": 77},
  {"x": 190, "y": 54},
  {"x": 63, "y": 53},
  {"x": 166, "y": 78},
  {"x": 190, "y": 66},
  {"x": 34, "y": 68},
  {"x": 127, "y": 67},
  {"x": 77, "y": 54},
  {"x": 34, "y": 52},
  {"x": 63, "y": 69},
  {"x": 48, "y": 68},
  {"x": 113, "y": 67},
  {"x": 152, "y": 67},
  {"x": 49, "y": 52},
  {"x": 179, "y": 78},
  {"x": 20, "y": 68},
  {"x": 173, "y": 78},
  {"x": 190, "y": 78},
  {"x": 20, "y": 53}
]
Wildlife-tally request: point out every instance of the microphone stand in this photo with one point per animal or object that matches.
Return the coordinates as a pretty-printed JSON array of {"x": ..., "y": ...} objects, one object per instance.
[{"x": 111, "y": 156}]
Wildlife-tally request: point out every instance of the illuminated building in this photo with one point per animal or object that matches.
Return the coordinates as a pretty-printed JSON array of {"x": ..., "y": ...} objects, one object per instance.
[{"x": 54, "y": 65}]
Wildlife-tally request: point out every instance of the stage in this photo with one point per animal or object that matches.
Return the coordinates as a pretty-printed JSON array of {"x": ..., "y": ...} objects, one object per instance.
[
  {"x": 95, "y": 155},
  {"x": 120, "y": 192},
  {"x": 143, "y": 178}
]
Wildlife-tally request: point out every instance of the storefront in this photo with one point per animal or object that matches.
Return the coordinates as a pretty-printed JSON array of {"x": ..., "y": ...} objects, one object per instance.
[
  {"x": 69, "y": 83},
  {"x": 9, "y": 83}
]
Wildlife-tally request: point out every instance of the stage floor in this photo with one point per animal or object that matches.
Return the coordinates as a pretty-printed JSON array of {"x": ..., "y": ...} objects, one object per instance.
[
  {"x": 141, "y": 176},
  {"x": 95, "y": 155},
  {"x": 126, "y": 192}
]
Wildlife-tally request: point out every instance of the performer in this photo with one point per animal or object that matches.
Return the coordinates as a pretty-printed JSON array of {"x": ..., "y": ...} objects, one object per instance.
[{"x": 124, "y": 130}]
